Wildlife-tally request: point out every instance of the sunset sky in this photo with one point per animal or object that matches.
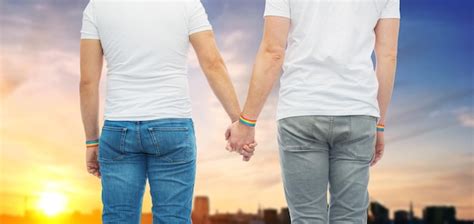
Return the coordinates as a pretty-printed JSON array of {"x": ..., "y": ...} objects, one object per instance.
[{"x": 429, "y": 154}]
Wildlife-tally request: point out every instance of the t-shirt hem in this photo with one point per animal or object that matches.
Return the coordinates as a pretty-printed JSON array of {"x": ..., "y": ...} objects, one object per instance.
[
  {"x": 277, "y": 14},
  {"x": 200, "y": 29},
  {"x": 390, "y": 17},
  {"x": 89, "y": 37},
  {"x": 143, "y": 118},
  {"x": 326, "y": 113}
]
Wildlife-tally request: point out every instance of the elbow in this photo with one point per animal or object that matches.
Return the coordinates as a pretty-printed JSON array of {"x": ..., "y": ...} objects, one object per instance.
[
  {"x": 213, "y": 64},
  {"x": 392, "y": 58},
  {"x": 275, "y": 52},
  {"x": 387, "y": 59},
  {"x": 87, "y": 84},
  {"x": 388, "y": 56}
]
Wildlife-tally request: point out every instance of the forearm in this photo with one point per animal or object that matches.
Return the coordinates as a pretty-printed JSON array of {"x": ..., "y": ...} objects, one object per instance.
[
  {"x": 89, "y": 94},
  {"x": 386, "y": 69},
  {"x": 222, "y": 87},
  {"x": 91, "y": 60},
  {"x": 266, "y": 71}
]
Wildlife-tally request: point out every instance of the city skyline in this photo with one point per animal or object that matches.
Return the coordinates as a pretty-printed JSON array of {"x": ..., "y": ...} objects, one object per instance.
[
  {"x": 428, "y": 159},
  {"x": 377, "y": 214}
]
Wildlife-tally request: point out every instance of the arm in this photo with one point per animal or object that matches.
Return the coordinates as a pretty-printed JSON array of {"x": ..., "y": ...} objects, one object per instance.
[
  {"x": 386, "y": 46},
  {"x": 266, "y": 71},
  {"x": 91, "y": 67},
  {"x": 268, "y": 64},
  {"x": 215, "y": 70},
  {"x": 386, "y": 61}
]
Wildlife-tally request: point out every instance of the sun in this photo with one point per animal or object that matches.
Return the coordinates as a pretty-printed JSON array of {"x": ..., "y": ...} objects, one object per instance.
[{"x": 52, "y": 203}]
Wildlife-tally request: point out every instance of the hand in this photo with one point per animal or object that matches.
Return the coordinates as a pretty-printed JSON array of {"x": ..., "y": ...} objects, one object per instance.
[
  {"x": 240, "y": 138},
  {"x": 379, "y": 148},
  {"x": 240, "y": 135},
  {"x": 247, "y": 152},
  {"x": 91, "y": 161}
]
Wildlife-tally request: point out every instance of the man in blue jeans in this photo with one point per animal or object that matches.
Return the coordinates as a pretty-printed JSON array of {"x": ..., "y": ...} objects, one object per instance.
[
  {"x": 148, "y": 132},
  {"x": 332, "y": 103}
]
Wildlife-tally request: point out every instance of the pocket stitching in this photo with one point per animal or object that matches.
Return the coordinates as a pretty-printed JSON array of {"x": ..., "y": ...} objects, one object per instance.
[
  {"x": 300, "y": 148},
  {"x": 169, "y": 129},
  {"x": 122, "y": 140},
  {"x": 153, "y": 139},
  {"x": 155, "y": 130},
  {"x": 114, "y": 128}
]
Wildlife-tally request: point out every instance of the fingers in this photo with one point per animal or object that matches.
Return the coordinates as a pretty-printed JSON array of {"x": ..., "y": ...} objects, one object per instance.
[
  {"x": 378, "y": 154},
  {"x": 92, "y": 164},
  {"x": 253, "y": 145},
  {"x": 376, "y": 159},
  {"x": 228, "y": 147},
  {"x": 227, "y": 134},
  {"x": 93, "y": 169},
  {"x": 250, "y": 147},
  {"x": 246, "y": 158},
  {"x": 247, "y": 151}
]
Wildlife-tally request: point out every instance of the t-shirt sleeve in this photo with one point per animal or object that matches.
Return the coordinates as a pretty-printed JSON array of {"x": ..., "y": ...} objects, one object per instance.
[
  {"x": 277, "y": 8},
  {"x": 89, "y": 25},
  {"x": 391, "y": 10},
  {"x": 197, "y": 18}
]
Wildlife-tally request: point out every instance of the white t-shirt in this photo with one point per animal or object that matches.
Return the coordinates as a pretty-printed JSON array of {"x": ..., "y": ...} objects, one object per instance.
[
  {"x": 145, "y": 44},
  {"x": 328, "y": 68}
]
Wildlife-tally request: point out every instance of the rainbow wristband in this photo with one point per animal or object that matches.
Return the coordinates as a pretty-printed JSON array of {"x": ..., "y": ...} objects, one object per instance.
[
  {"x": 92, "y": 143},
  {"x": 380, "y": 127},
  {"x": 247, "y": 122}
]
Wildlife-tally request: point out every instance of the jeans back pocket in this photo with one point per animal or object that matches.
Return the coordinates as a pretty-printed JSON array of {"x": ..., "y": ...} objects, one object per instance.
[
  {"x": 112, "y": 143},
  {"x": 361, "y": 143},
  {"x": 173, "y": 143}
]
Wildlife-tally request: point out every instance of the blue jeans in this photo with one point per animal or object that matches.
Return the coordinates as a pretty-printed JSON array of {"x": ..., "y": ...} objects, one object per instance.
[
  {"x": 162, "y": 150},
  {"x": 317, "y": 151}
]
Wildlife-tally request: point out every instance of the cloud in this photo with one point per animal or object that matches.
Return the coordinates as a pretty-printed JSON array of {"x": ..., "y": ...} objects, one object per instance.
[
  {"x": 465, "y": 117},
  {"x": 12, "y": 75}
]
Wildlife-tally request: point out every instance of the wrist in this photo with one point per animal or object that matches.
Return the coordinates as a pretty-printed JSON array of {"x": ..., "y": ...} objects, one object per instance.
[
  {"x": 92, "y": 143},
  {"x": 380, "y": 127},
  {"x": 244, "y": 121},
  {"x": 234, "y": 119},
  {"x": 244, "y": 126}
]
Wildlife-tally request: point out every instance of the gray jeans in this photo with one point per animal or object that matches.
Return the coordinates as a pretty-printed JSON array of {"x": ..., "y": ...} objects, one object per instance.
[{"x": 319, "y": 150}]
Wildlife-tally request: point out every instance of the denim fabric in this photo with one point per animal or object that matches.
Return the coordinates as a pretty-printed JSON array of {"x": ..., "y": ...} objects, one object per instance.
[
  {"x": 162, "y": 151},
  {"x": 317, "y": 151}
]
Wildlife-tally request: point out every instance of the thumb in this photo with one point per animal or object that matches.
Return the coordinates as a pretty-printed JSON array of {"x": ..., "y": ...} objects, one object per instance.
[{"x": 227, "y": 134}]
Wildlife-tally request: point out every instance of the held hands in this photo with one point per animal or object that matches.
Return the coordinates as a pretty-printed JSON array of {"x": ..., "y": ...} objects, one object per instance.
[{"x": 241, "y": 138}]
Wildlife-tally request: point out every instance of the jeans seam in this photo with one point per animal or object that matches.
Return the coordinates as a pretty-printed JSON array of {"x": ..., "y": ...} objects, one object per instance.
[
  {"x": 331, "y": 130},
  {"x": 123, "y": 137},
  {"x": 139, "y": 137},
  {"x": 350, "y": 129},
  {"x": 153, "y": 139}
]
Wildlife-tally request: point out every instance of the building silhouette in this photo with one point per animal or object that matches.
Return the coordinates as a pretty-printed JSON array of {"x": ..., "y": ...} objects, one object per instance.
[
  {"x": 270, "y": 216},
  {"x": 285, "y": 216},
  {"x": 411, "y": 213},
  {"x": 238, "y": 218},
  {"x": 379, "y": 213},
  {"x": 439, "y": 215},
  {"x": 200, "y": 213},
  {"x": 401, "y": 217}
]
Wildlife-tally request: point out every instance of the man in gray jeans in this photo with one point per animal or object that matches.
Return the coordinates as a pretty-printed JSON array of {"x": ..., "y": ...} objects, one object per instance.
[{"x": 332, "y": 103}]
